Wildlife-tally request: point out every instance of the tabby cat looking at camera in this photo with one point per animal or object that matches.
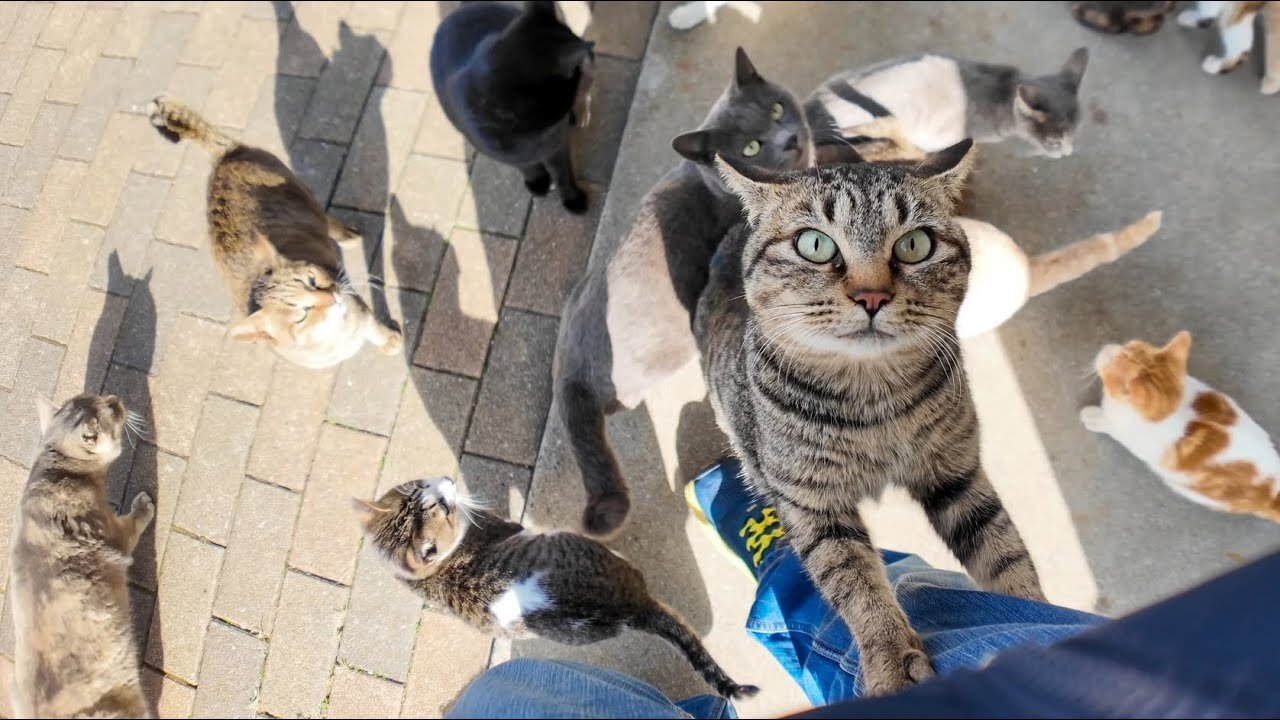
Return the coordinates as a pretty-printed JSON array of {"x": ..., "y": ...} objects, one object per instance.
[
  {"x": 827, "y": 332},
  {"x": 627, "y": 324},
  {"x": 503, "y": 579},
  {"x": 74, "y": 652}
]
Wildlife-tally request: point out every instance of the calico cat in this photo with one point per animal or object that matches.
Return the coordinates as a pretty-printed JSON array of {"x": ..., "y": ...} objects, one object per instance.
[
  {"x": 1235, "y": 21},
  {"x": 827, "y": 332},
  {"x": 513, "y": 83},
  {"x": 1199, "y": 441},
  {"x": 941, "y": 100},
  {"x": 274, "y": 247},
  {"x": 74, "y": 649},
  {"x": 1113, "y": 17},
  {"x": 627, "y": 324},
  {"x": 501, "y": 578}
]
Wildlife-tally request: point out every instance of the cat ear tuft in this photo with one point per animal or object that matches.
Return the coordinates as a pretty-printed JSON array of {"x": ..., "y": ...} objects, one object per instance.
[
  {"x": 366, "y": 511},
  {"x": 744, "y": 73},
  {"x": 263, "y": 250},
  {"x": 1179, "y": 348},
  {"x": 695, "y": 146},
  {"x": 947, "y": 169},
  {"x": 1073, "y": 69},
  {"x": 45, "y": 410},
  {"x": 749, "y": 182},
  {"x": 251, "y": 329}
]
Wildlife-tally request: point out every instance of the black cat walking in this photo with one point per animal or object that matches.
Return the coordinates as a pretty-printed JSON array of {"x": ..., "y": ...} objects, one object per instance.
[{"x": 514, "y": 83}]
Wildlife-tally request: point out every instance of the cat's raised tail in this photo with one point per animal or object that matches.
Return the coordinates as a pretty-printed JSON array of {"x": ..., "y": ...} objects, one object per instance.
[
  {"x": 662, "y": 621},
  {"x": 178, "y": 122},
  {"x": 1048, "y": 270}
]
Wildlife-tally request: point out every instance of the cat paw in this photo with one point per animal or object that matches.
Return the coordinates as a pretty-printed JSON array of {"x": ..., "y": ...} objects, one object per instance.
[
  {"x": 1269, "y": 86},
  {"x": 1093, "y": 419},
  {"x": 1215, "y": 65},
  {"x": 392, "y": 344},
  {"x": 539, "y": 185},
  {"x": 143, "y": 508},
  {"x": 576, "y": 204},
  {"x": 605, "y": 514},
  {"x": 886, "y": 671}
]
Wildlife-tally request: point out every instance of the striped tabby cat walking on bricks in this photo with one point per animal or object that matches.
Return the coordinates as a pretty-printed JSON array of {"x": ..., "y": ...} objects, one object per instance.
[{"x": 827, "y": 332}]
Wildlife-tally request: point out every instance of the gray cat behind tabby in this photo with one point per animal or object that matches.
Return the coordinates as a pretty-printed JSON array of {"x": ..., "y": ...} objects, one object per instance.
[
  {"x": 503, "y": 579},
  {"x": 941, "y": 100},
  {"x": 627, "y": 324},
  {"x": 74, "y": 649},
  {"x": 828, "y": 339}
]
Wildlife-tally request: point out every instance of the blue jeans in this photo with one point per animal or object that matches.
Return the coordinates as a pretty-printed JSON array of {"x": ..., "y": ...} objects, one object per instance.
[{"x": 960, "y": 625}]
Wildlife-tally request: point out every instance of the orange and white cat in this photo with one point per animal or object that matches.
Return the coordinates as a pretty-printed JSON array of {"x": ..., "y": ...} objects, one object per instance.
[{"x": 1199, "y": 441}]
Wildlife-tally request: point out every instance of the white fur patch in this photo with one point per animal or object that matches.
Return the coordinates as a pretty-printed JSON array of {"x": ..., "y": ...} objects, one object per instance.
[
  {"x": 926, "y": 95},
  {"x": 523, "y": 597}
]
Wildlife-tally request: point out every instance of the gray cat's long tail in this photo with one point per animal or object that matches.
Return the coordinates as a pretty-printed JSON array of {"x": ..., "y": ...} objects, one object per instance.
[
  {"x": 582, "y": 413},
  {"x": 663, "y": 622},
  {"x": 1051, "y": 269},
  {"x": 178, "y": 122}
]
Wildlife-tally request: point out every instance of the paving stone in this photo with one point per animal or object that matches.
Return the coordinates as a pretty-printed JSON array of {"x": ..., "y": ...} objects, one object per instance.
[
  {"x": 47, "y": 220},
  {"x": 268, "y": 10},
  {"x": 438, "y": 137},
  {"x": 256, "y": 553},
  {"x": 37, "y": 376},
  {"x": 243, "y": 371},
  {"x": 91, "y": 35},
  {"x": 229, "y": 673},
  {"x": 496, "y": 199},
  {"x": 8, "y": 153},
  {"x": 343, "y": 86},
  {"x": 6, "y": 686},
  {"x": 124, "y": 257},
  {"x": 173, "y": 699},
  {"x": 380, "y": 148},
  {"x": 516, "y": 391},
  {"x": 110, "y": 168},
  {"x": 500, "y": 486},
  {"x": 159, "y": 474},
  {"x": 430, "y": 190},
  {"x": 13, "y": 223},
  {"x": 429, "y": 428},
  {"x": 179, "y": 388},
  {"x": 448, "y": 654},
  {"x": 216, "y": 468},
  {"x": 367, "y": 392},
  {"x": 22, "y": 108},
  {"x": 13, "y": 478},
  {"x": 317, "y": 164},
  {"x": 9, "y": 13},
  {"x": 158, "y": 155},
  {"x": 290, "y": 425},
  {"x": 61, "y": 24},
  {"x": 97, "y": 102},
  {"x": 183, "y": 217},
  {"x": 28, "y": 174},
  {"x": 275, "y": 118},
  {"x": 310, "y": 38},
  {"x": 6, "y": 628},
  {"x": 209, "y": 42},
  {"x": 66, "y": 284},
  {"x": 621, "y": 29},
  {"x": 157, "y": 59},
  {"x": 187, "y": 579},
  {"x": 131, "y": 30},
  {"x": 553, "y": 254},
  {"x": 20, "y": 301},
  {"x": 133, "y": 387},
  {"x": 375, "y": 15},
  {"x": 252, "y": 60},
  {"x": 358, "y": 695},
  {"x": 92, "y": 341},
  {"x": 407, "y": 64},
  {"x": 382, "y": 619},
  {"x": 303, "y": 648},
  {"x": 345, "y": 466},
  {"x": 464, "y": 306},
  {"x": 595, "y": 147},
  {"x": 409, "y": 255},
  {"x": 18, "y": 45}
]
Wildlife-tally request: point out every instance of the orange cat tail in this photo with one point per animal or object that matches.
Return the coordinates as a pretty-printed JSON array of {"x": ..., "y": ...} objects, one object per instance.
[
  {"x": 1051, "y": 269},
  {"x": 179, "y": 122}
]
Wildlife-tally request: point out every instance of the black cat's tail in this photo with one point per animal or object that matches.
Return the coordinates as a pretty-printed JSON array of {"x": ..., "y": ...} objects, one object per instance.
[
  {"x": 178, "y": 122},
  {"x": 662, "y": 621},
  {"x": 582, "y": 413}
]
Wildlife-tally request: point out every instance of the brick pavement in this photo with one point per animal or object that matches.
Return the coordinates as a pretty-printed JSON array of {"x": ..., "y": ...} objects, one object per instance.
[{"x": 252, "y": 593}]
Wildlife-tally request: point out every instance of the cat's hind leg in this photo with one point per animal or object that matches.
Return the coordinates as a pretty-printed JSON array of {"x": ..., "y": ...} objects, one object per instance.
[
  {"x": 662, "y": 621},
  {"x": 130, "y": 527},
  {"x": 571, "y": 196},
  {"x": 1235, "y": 30},
  {"x": 536, "y": 179}
]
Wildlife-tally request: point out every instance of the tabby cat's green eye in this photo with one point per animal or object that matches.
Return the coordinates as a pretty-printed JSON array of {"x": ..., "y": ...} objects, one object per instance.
[
  {"x": 777, "y": 111},
  {"x": 752, "y": 149},
  {"x": 913, "y": 247},
  {"x": 815, "y": 246}
]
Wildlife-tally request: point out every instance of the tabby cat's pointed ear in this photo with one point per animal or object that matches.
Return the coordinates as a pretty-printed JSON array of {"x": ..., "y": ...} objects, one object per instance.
[
  {"x": 1179, "y": 348},
  {"x": 1073, "y": 69},
  {"x": 366, "y": 511},
  {"x": 744, "y": 73},
  {"x": 749, "y": 182},
  {"x": 252, "y": 329},
  {"x": 947, "y": 169},
  {"x": 45, "y": 409}
]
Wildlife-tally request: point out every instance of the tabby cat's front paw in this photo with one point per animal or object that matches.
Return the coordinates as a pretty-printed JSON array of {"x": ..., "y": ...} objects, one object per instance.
[
  {"x": 886, "y": 671},
  {"x": 392, "y": 344},
  {"x": 1093, "y": 419},
  {"x": 143, "y": 509}
]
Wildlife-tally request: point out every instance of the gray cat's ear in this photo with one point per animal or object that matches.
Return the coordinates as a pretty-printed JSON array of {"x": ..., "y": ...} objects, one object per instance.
[
  {"x": 947, "y": 169},
  {"x": 1072, "y": 71},
  {"x": 696, "y": 146},
  {"x": 744, "y": 73},
  {"x": 1027, "y": 101},
  {"x": 45, "y": 409}
]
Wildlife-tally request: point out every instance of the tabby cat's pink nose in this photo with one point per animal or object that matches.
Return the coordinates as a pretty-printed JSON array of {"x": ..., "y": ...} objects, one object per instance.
[{"x": 872, "y": 299}]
